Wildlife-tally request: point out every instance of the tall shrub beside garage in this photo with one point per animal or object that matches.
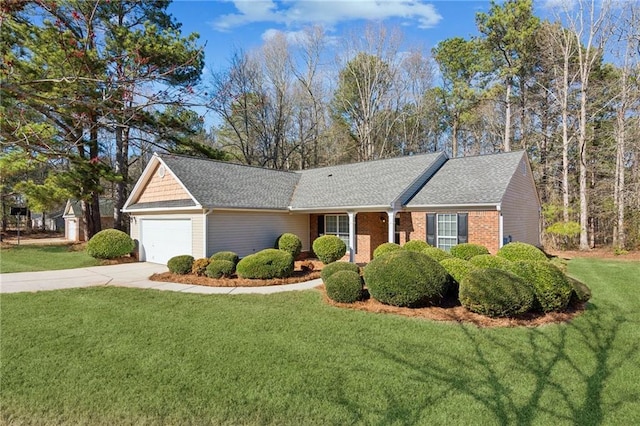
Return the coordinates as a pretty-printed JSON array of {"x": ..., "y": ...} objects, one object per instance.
[{"x": 109, "y": 244}]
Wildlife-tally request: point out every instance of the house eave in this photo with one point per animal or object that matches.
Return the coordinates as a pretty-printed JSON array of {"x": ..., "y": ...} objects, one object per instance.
[
  {"x": 420, "y": 207},
  {"x": 341, "y": 209},
  {"x": 163, "y": 209}
]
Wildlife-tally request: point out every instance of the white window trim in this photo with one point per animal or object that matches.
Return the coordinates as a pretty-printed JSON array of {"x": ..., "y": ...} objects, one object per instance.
[
  {"x": 344, "y": 236},
  {"x": 438, "y": 237}
]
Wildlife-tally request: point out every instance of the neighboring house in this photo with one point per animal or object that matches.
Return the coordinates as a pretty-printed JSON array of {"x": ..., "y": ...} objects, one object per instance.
[
  {"x": 74, "y": 220},
  {"x": 52, "y": 221},
  {"x": 183, "y": 205}
]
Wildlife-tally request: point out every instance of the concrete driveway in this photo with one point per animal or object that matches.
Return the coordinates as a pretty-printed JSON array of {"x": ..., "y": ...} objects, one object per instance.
[{"x": 125, "y": 275}]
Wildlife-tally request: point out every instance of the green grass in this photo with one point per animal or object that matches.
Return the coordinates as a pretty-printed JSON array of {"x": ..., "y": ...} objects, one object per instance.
[
  {"x": 33, "y": 258},
  {"x": 116, "y": 355}
]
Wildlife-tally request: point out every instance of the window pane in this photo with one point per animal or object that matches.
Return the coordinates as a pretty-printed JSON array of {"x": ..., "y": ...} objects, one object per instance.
[
  {"x": 447, "y": 231},
  {"x": 331, "y": 224},
  {"x": 343, "y": 224}
]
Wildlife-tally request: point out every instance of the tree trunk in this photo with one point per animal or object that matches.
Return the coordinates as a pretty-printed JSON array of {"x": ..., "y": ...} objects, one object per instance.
[
  {"x": 583, "y": 184},
  {"x": 619, "y": 236},
  {"x": 121, "y": 169},
  {"x": 507, "y": 117}
]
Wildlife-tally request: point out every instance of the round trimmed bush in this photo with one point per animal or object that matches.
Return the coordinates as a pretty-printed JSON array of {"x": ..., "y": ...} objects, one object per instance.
[
  {"x": 200, "y": 266},
  {"x": 180, "y": 264},
  {"x": 521, "y": 251},
  {"x": 225, "y": 255},
  {"x": 436, "y": 253},
  {"x": 329, "y": 248},
  {"x": 220, "y": 268},
  {"x": 468, "y": 250},
  {"x": 344, "y": 286},
  {"x": 550, "y": 284},
  {"x": 385, "y": 248},
  {"x": 109, "y": 244},
  {"x": 581, "y": 292},
  {"x": 406, "y": 278},
  {"x": 495, "y": 293},
  {"x": 489, "y": 261},
  {"x": 291, "y": 243},
  {"x": 457, "y": 268},
  {"x": 334, "y": 267},
  {"x": 266, "y": 264},
  {"x": 415, "y": 245}
]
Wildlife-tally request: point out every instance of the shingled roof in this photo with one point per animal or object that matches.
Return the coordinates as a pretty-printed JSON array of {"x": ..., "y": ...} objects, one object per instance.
[
  {"x": 227, "y": 185},
  {"x": 425, "y": 180},
  {"x": 372, "y": 184},
  {"x": 480, "y": 180}
]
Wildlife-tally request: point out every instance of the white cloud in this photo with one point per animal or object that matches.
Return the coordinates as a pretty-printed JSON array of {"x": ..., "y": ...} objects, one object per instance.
[{"x": 328, "y": 13}]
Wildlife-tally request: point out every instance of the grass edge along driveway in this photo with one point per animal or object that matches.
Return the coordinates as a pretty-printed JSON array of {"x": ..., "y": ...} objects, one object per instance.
[{"x": 117, "y": 355}]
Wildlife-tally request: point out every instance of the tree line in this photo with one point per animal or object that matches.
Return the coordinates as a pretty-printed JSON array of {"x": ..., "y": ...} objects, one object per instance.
[{"x": 89, "y": 88}]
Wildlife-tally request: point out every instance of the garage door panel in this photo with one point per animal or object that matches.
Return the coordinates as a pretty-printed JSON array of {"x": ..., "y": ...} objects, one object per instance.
[{"x": 161, "y": 239}]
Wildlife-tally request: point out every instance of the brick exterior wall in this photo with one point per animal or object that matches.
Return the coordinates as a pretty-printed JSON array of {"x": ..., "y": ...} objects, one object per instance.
[
  {"x": 484, "y": 229},
  {"x": 162, "y": 189}
]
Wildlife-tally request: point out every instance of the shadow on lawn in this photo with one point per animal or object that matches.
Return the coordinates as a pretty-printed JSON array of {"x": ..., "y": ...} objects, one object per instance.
[{"x": 547, "y": 350}]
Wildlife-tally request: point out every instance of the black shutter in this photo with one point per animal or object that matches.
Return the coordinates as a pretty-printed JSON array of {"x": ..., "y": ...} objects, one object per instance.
[
  {"x": 431, "y": 229},
  {"x": 463, "y": 232},
  {"x": 320, "y": 225}
]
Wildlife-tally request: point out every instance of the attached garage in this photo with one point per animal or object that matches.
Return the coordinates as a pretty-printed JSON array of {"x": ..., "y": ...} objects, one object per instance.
[{"x": 161, "y": 239}]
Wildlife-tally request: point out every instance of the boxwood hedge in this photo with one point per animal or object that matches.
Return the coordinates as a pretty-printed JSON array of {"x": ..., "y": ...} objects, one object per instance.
[
  {"x": 344, "y": 286},
  {"x": 415, "y": 245},
  {"x": 329, "y": 248},
  {"x": 109, "y": 244},
  {"x": 406, "y": 278},
  {"x": 220, "y": 268},
  {"x": 521, "y": 251},
  {"x": 468, "y": 250},
  {"x": 495, "y": 293},
  {"x": 334, "y": 267},
  {"x": 180, "y": 264},
  {"x": 225, "y": 255},
  {"x": 291, "y": 243},
  {"x": 385, "y": 248},
  {"x": 266, "y": 264}
]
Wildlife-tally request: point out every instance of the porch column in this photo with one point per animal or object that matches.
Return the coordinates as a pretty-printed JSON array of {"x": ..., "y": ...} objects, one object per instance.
[
  {"x": 391, "y": 225},
  {"x": 352, "y": 236}
]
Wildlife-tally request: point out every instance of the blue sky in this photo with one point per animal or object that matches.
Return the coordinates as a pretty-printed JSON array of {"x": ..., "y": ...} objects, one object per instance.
[{"x": 242, "y": 24}]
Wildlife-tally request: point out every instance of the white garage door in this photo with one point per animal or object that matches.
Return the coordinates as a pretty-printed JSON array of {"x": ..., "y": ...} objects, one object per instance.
[{"x": 161, "y": 239}]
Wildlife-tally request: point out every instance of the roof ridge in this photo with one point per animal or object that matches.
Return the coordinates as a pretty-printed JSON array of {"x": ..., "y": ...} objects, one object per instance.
[
  {"x": 212, "y": 160},
  {"x": 492, "y": 154},
  {"x": 377, "y": 160}
]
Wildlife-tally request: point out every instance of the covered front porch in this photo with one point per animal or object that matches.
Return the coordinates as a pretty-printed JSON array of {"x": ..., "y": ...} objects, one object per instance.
[{"x": 362, "y": 231}]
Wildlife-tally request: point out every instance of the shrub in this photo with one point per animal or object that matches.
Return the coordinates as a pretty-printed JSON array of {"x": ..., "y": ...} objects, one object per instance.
[
  {"x": 489, "y": 261},
  {"x": 580, "y": 293},
  {"x": 180, "y": 264},
  {"x": 109, "y": 244},
  {"x": 225, "y": 255},
  {"x": 291, "y": 243},
  {"x": 550, "y": 284},
  {"x": 199, "y": 266},
  {"x": 406, "y": 278},
  {"x": 521, "y": 251},
  {"x": 468, "y": 250},
  {"x": 415, "y": 245},
  {"x": 385, "y": 248},
  {"x": 220, "y": 268},
  {"x": 266, "y": 264},
  {"x": 457, "y": 268},
  {"x": 436, "y": 253},
  {"x": 344, "y": 286},
  {"x": 329, "y": 248},
  {"x": 334, "y": 267},
  {"x": 495, "y": 293}
]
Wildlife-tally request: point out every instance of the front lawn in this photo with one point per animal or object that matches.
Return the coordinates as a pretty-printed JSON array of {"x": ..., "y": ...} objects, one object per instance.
[
  {"x": 31, "y": 258},
  {"x": 116, "y": 355}
]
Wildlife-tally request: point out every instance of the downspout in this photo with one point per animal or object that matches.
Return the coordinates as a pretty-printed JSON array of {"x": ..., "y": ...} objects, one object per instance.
[{"x": 205, "y": 227}]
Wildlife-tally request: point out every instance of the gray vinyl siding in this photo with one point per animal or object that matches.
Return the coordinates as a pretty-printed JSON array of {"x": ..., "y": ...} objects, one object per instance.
[
  {"x": 197, "y": 227},
  {"x": 249, "y": 232},
  {"x": 521, "y": 207}
]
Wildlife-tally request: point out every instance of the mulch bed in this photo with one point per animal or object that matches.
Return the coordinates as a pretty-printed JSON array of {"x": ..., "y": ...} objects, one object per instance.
[{"x": 451, "y": 311}]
